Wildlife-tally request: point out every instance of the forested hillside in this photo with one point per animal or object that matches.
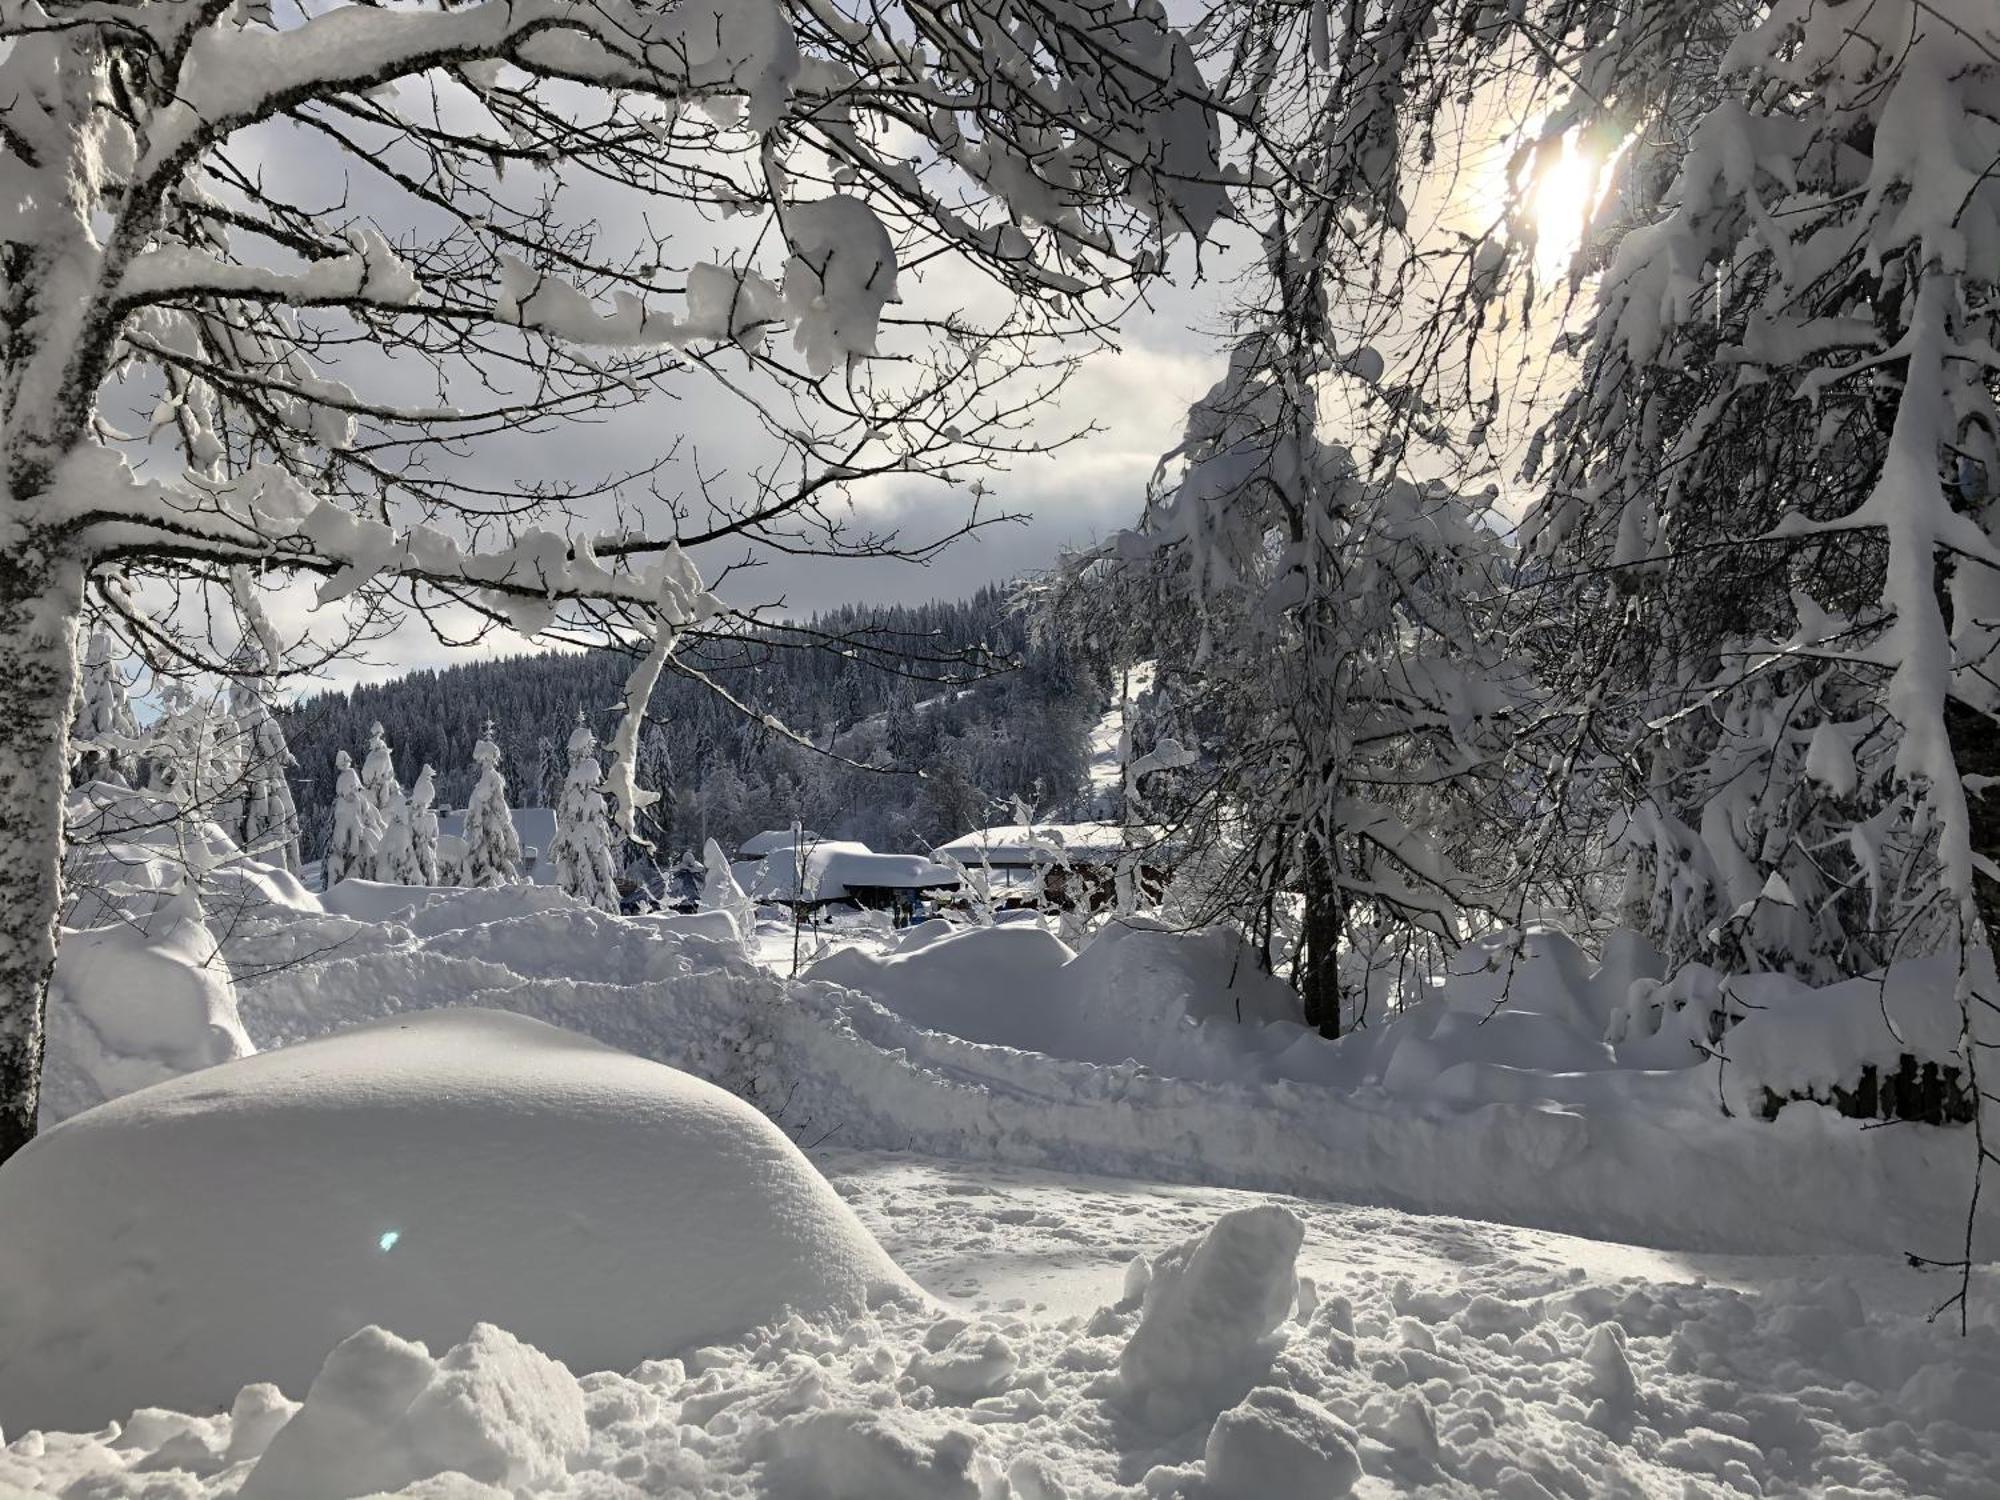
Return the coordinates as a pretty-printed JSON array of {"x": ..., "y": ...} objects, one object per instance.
[{"x": 983, "y": 710}]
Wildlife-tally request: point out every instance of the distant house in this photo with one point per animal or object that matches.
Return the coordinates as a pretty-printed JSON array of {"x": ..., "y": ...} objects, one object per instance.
[
  {"x": 770, "y": 841},
  {"x": 534, "y": 826},
  {"x": 837, "y": 870},
  {"x": 1066, "y": 866}
]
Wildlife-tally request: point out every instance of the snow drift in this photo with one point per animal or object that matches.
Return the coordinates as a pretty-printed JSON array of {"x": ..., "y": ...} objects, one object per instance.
[
  {"x": 132, "y": 1005},
  {"x": 425, "y": 1174},
  {"x": 1190, "y": 1005}
]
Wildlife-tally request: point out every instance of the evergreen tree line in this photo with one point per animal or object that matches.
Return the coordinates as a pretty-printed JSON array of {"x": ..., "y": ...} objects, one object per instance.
[{"x": 963, "y": 691}]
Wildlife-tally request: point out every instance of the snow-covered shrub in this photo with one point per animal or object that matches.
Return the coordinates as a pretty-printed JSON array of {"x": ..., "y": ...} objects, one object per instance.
[{"x": 378, "y": 771}]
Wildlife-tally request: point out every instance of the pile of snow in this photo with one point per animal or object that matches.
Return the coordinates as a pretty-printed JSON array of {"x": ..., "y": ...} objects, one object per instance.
[
  {"x": 425, "y": 1174},
  {"x": 133, "y": 1004},
  {"x": 1191, "y": 1005},
  {"x": 129, "y": 852},
  {"x": 382, "y": 1414},
  {"x": 1208, "y": 1315}
]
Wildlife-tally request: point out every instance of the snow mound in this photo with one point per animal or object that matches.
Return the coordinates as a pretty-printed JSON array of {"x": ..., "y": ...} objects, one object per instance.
[
  {"x": 136, "y": 1005},
  {"x": 382, "y": 1414},
  {"x": 1169, "y": 1001},
  {"x": 425, "y": 1174},
  {"x": 1277, "y": 1442},
  {"x": 1210, "y": 1309}
]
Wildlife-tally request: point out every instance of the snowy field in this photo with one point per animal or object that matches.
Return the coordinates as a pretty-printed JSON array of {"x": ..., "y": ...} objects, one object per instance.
[
  {"x": 1008, "y": 1219},
  {"x": 1411, "y": 1355}
]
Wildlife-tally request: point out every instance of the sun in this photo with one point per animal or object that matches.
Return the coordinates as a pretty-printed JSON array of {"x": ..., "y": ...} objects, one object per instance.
[{"x": 1560, "y": 197}]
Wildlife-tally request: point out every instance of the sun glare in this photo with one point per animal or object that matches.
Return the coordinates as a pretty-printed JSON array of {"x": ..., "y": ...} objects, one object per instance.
[{"x": 1560, "y": 199}]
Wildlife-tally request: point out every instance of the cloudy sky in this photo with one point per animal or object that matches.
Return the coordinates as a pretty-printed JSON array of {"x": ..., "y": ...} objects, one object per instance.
[{"x": 1136, "y": 394}]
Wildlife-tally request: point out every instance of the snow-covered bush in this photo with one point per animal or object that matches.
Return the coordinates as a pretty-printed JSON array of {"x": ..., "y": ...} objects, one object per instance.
[
  {"x": 105, "y": 732},
  {"x": 378, "y": 771},
  {"x": 270, "y": 823}
]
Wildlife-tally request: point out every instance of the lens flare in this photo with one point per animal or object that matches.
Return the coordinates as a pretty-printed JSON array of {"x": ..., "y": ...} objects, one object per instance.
[{"x": 388, "y": 1240}]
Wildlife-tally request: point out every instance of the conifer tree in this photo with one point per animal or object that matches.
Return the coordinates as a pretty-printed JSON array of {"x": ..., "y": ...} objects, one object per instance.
[
  {"x": 350, "y": 851},
  {"x": 581, "y": 849},
  {"x": 424, "y": 826},
  {"x": 492, "y": 846},
  {"x": 378, "y": 771},
  {"x": 269, "y": 825}
]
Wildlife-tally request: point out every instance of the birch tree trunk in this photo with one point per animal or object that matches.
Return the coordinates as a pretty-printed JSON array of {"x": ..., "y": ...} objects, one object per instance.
[{"x": 41, "y": 600}]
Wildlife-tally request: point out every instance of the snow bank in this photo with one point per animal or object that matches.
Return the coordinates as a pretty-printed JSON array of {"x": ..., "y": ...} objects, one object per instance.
[
  {"x": 425, "y": 1174},
  {"x": 1192, "y": 1005},
  {"x": 133, "y": 1005},
  {"x": 1529, "y": 1118}
]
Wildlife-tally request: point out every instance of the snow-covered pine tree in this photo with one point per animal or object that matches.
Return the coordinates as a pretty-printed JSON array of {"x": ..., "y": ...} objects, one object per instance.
[
  {"x": 492, "y": 846},
  {"x": 378, "y": 771},
  {"x": 394, "y": 861},
  {"x": 581, "y": 848},
  {"x": 357, "y": 827},
  {"x": 269, "y": 826},
  {"x": 105, "y": 732},
  {"x": 424, "y": 826}
]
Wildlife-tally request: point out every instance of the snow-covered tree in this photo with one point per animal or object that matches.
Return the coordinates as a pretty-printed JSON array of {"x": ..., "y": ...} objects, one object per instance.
[
  {"x": 424, "y": 826},
  {"x": 720, "y": 891},
  {"x": 150, "y": 245},
  {"x": 492, "y": 846},
  {"x": 394, "y": 861},
  {"x": 105, "y": 731},
  {"x": 1328, "y": 636},
  {"x": 1778, "y": 482},
  {"x": 357, "y": 827},
  {"x": 269, "y": 825},
  {"x": 378, "y": 771},
  {"x": 581, "y": 849}
]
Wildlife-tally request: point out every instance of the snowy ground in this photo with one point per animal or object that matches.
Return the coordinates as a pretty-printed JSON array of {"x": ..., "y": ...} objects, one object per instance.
[
  {"x": 1084, "y": 1335},
  {"x": 1414, "y": 1356}
]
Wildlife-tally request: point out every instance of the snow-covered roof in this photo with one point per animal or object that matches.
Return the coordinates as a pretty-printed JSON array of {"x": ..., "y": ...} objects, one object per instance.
[
  {"x": 836, "y": 868},
  {"x": 1019, "y": 844},
  {"x": 770, "y": 841}
]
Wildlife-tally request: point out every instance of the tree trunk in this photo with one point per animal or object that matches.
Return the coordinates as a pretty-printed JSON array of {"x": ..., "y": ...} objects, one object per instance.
[
  {"x": 1975, "y": 746},
  {"x": 40, "y": 604},
  {"x": 1324, "y": 919}
]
